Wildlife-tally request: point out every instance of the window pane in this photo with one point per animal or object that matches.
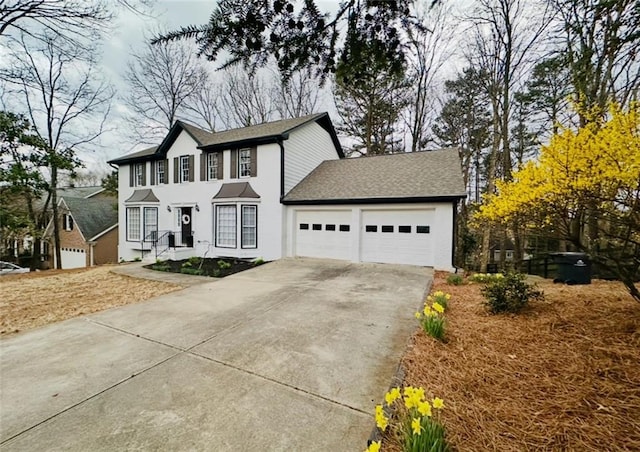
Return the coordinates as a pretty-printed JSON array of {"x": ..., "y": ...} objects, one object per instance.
[
  {"x": 422, "y": 229},
  {"x": 244, "y": 163},
  {"x": 249, "y": 227},
  {"x": 329, "y": 227},
  {"x": 133, "y": 223},
  {"x": 150, "y": 223},
  {"x": 371, "y": 228},
  {"x": 160, "y": 166},
  {"x": 226, "y": 226},
  {"x": 304, "y": 226},
  {"x": 184, "y": 168},
  {"x": 212, "y": 166},
  {"x": 344, "y": 228},
  {"x": 317, "y": 227}
]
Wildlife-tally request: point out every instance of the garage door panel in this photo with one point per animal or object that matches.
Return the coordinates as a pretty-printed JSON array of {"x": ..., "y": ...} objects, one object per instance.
[
  {"x": 397, "y": 247},
  {"x": 326, "y": 242},
  {"x": 73, "y": 258}
]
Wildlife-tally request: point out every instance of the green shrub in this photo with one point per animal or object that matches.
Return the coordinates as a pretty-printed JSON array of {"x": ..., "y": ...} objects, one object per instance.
[
  {"x": 454, "y": 280},
  {"x": 161, "y": 266},
  {"x": 186, "y": 264},
  {"x": 511, "y": 293},
  {"x": 223, "y": 264},
  {"x": 191, "y": 271},
  {"x": 137, "y": 259},
  {"x": 194, "y": 260},
  {"x": 258, "y": 261}
]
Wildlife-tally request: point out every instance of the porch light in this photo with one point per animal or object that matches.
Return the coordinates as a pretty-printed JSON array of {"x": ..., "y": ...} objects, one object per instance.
[
  {"x": 197, "y": 208},
  {"x": 169, "y": 208}
]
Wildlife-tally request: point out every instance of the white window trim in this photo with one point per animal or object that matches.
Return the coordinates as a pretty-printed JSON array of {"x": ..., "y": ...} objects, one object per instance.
[
  {"x": 160, "y": 171},
  {"x": 184, "y": 168},
  {"x": 145, "y": 232},
  {"x": 68, "y": 225},
  {"x": 217, "y": 225},
  {"x": 243, "y": 226},
  {"x": 138, "y": 168},
  {"x": 129, "y": 229},
  {"x": 240, "y": 163},
  {"x": 212, "y": 157}
]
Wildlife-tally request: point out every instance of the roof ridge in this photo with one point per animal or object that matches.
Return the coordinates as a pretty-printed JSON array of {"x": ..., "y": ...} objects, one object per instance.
[{"x": 396, "y": 154}]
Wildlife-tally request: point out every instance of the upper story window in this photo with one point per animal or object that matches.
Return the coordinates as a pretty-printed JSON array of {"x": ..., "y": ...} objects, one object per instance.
[
  {"x": 244, "y": 163},
  {"x": 161, "y": 172},
  {"x": 212, "y": 166},
  {"x": 184, "y": 168},
  {"x": 67, "y": 222},
  {"x": 137, "y": 174}
]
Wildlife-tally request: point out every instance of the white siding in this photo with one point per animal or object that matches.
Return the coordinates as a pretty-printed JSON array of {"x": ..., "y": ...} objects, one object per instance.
[
  {"x": 201, "y": 193},
  {"x": 305, "y": 149}
]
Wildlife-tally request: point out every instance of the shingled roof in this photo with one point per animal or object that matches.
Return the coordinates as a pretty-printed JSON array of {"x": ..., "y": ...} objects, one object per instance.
[
  {"x": 268, "y": 132},
  {"x": 265, "y": 130},
  {"x": 406, "y": 177},
  {"x": 93, "y": 215}
]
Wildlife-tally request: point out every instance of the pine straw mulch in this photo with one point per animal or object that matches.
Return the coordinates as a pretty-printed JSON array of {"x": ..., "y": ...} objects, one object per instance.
[
  {"x": 562, "y": 376},
  {"x": 35, "y": 299}
]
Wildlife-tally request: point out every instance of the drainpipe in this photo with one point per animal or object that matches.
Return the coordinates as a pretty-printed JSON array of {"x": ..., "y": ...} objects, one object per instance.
[{"x": 91, "y": 259}]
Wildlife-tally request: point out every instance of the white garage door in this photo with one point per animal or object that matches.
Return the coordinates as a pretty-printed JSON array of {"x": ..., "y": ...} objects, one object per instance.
[
  {"x": 323, "y": 233},
  {"x": 397, "y": 236},
  {"x": 73, "y": 258}
]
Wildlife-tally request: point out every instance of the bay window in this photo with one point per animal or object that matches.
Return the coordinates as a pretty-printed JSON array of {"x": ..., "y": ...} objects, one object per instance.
[
  {"x": 226, "y": 226},
  {"x": 249, "y": 226},
  {"x": 133, "y": 224}
]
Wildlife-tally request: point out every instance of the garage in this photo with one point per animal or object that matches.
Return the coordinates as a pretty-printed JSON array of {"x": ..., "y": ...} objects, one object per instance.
[
  {"x": 389, "y": 209},
  {"x": 323, "y": 233},
  {"x": 73, "y": 258},
  {"x": 397, "y": 236}
]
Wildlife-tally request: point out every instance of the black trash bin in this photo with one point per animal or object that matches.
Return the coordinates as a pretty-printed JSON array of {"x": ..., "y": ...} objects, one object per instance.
[{"x": 573, "y": 268}]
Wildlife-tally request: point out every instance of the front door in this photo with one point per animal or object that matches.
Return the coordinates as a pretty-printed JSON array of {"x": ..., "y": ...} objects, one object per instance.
[{"x": 185, "y": 221}]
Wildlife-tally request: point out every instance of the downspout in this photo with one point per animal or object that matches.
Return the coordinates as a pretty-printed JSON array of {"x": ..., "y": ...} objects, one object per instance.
[
  {"x": 454, "y": 235},
  {"x": 281, "y": 144},
  {"x": 91, "y": 255}
]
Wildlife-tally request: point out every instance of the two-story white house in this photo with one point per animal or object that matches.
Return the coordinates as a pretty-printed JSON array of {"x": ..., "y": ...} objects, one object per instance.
[{"x": 281, "y": 189}]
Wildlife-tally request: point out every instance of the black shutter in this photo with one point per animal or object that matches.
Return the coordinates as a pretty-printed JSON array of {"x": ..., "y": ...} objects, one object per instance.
[
  {"x": 234, "y": 163},
  {"x": 132, "y": 169},
  {"x": 166, "y": 171},
  {"x": 192, "y": 167},
  {"x": 176, "y": 170},
  {"x": 70, "y": 222},
  {"x": 152, "y": 173},
  {"x": 254, "y": 161},
  {"x": 203, "y": 166},
  {"x": 144, "y": 173},
  {"x": 220, "y": 166}
]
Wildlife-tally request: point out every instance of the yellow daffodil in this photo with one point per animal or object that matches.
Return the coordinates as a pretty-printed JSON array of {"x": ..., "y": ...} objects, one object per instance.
[
  {"x": 429, "y": 298},
  {"x": 381, "y": 419},
  {"x": 374, "y": 446},
  {"x": 424, "y": 408},
  {"x": 416, "y": 426},
  {"x": 417, "y": 314},
  {"x": 448, "y": 296},
  {"x": 392, "y": 396},
  {"x": 427, "y": 311},
  {"x": 438, "y": 403},
  {"x": 438, "y": 307}
]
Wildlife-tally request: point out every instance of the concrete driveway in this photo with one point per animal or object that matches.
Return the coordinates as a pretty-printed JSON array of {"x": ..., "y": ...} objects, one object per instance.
[{"x": 290, "y": 356}]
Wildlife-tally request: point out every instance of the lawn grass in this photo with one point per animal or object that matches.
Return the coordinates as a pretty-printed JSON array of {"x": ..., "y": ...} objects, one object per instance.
[{"x": 562, "y": 375}]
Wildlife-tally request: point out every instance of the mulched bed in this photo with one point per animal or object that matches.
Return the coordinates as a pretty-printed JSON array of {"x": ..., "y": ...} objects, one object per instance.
[
  {"x": 563, "y": 375},
  {"x": 217, "y": 268}
]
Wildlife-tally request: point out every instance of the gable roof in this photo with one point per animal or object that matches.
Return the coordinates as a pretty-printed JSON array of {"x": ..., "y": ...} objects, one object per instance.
[
  {"x": 79, "y": 192},
  {"x": 268, "y": 132},
  {"x": 406, "y": 177},
  {"x": 92, "y": 215}
]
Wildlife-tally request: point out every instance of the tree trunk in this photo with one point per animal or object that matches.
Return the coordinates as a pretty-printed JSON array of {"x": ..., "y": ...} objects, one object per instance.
[{"x": 55, "y": 219}]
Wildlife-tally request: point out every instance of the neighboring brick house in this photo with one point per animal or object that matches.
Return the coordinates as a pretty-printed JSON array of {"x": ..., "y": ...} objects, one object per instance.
[{"x": 88, "y": 230}]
